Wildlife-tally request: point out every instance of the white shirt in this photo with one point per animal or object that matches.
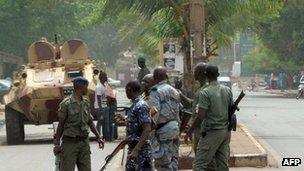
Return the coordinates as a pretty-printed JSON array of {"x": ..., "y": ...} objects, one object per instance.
[{"x": 99, "y": 91}]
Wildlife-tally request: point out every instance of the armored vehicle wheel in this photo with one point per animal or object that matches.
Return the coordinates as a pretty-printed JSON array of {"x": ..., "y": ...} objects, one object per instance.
[{"x": 14, "y": 126}]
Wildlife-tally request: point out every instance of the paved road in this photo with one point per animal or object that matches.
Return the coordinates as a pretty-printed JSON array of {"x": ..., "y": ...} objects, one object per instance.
[
  {"x": 36, "y": 154},
  {"x": 277, "y": 121}
]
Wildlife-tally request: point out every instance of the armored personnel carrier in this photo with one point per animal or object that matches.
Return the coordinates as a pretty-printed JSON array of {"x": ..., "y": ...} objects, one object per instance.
[{"x": 39, "y": 86}]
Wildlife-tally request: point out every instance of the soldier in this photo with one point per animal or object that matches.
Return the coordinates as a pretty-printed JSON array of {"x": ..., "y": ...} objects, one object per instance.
[
  {"x": 213, "y": 104},
  {"x": 74, "y": 126},
  {"x": 143, "y": 68},
  {"x": 165, "y": 99},
  {"x": 200, "y": 76},
  {"x": 146, "y": 84},
  {"x": 138, "y": 129}
]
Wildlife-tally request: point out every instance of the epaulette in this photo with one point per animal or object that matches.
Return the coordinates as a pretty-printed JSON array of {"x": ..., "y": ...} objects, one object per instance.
[
  {"x": 85, "y": 99},
  {"x": 154, "y": 88},
  {"x": 65, "y": 100}
]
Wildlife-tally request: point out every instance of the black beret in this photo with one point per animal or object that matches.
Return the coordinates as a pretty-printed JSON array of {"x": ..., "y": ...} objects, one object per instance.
[
  {"x": 212, "y": 71},
  {"x": 80, "y": 80}
]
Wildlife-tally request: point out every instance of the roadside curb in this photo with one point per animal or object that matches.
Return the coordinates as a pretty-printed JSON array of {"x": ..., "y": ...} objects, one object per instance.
[
  {"x": 288, "y": 93},
  {"x": 256, "y": 159},
  {"x": 272, "y": 156},
  {"x": 252, "y": 159}
]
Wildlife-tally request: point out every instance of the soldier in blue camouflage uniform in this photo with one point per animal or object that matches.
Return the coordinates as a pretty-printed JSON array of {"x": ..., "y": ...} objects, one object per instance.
[
  {"x": 138, "y": 129},
  {"x": 165, "y": 99}
]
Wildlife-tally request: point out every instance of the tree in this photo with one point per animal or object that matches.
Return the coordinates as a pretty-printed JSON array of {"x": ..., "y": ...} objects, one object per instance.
[
  {"x": 284, "y": 34},
  {"x": 161, "y": 19},
  {"x": 25, "y": 21},
  {"x": 103, "y": 42}
]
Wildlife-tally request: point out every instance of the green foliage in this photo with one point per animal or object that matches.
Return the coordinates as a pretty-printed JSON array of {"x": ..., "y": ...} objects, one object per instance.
[
  {"x": 103, "y": 42},
  {"x": 160, "y": 19},
  {"x": 284, "y": 35},
  {"x": 227, "y": 17},
  {"x": 25, "y": 21},
  {"x": 263, "y": 60},
  {"x": 112, "y": 26}
]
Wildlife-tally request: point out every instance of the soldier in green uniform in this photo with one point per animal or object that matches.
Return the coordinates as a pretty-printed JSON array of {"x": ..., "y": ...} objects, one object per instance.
[
  {"x": 143, "y": 68},
  {"x": 73, "y": 129},
  {"x": 214, "y": 102},
  {"x": 200, "y": 76}
]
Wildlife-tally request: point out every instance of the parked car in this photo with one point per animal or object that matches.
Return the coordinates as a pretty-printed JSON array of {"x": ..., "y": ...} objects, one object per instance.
[
  {"x": 225, "y": 81},
  {"x": 5, "y": 85},
  {"x": 113, "y": 82}
]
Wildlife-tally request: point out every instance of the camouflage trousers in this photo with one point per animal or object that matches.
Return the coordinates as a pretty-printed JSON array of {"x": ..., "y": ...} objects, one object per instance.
[
  {"x": 213, "y": 148},
  {"x": 143, "y": 162},
  {"x": 75, "y": 153},
  {"x": 169, "y": 159}
]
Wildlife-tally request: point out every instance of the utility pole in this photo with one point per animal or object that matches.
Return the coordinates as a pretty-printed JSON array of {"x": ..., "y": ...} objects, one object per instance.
[{"x": 196, "y": 26}]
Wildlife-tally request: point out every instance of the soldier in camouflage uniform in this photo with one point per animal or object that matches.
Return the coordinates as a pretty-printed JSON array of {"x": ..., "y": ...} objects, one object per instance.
[
  {"x": 74, "y": 126},
  {"x": 214, "y": 101},
  {"x": 146, "y": 84},
  {"x": 138, "y": 129},
  {"x": 143, "y": 68},
  {"x": 165, "y": 99}
]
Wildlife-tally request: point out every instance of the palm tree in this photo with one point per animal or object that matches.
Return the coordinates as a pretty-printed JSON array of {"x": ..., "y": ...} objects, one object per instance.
[{"x": 159, "y": 19}]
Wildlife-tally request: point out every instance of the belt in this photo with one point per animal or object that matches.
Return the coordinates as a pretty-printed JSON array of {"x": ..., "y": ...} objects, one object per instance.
[
  {"x": 74, "y": 139},
  {"x": 160, "y": 125},
  {"x": 204, "y": 133}
]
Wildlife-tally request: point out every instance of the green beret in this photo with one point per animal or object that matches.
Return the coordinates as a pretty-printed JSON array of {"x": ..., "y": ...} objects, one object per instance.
[{"x": 141, "y": 58}]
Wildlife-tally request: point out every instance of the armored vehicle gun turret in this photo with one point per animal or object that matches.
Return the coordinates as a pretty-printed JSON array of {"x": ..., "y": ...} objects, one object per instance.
[{"x": 39, "y": 86}]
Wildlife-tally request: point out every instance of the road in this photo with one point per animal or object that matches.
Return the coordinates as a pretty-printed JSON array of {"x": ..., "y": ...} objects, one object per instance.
[
  {"x": 36, "y": 154},
  {"x": 276, "y": 121}
]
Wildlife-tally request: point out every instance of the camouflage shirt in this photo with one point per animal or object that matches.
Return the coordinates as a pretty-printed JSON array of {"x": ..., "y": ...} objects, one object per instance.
[
  {"x": 166, "y": 101},
  {"x": 142, "y": 72},
  {"x": 77, "y": 116},
  {"x": 137, "y": 116}
]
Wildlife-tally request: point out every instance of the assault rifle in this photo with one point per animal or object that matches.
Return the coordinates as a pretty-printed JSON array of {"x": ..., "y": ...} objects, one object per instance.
[
  {"x": 120, "y": 146},
  {"x": 232, "y": 110}
]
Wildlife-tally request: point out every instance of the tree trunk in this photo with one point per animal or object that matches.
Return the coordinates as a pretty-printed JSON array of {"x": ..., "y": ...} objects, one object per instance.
[{"x": 193, "y": 46}]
